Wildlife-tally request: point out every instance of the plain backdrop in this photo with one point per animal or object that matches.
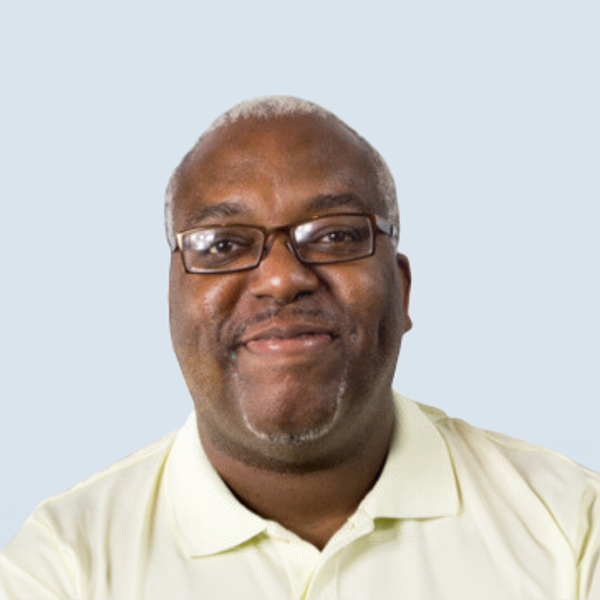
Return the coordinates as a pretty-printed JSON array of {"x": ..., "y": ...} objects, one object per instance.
[{"x": 487, "y": 113}]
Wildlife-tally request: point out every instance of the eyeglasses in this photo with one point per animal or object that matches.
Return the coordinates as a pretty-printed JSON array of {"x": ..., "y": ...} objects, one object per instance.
[{"x": 320, "y": 240}]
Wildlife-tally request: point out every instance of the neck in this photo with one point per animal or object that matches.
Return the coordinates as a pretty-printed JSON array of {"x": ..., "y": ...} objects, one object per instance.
[{"x": 312, "y": 504}]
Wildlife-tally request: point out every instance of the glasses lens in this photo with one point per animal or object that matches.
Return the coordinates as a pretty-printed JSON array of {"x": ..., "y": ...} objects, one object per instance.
[
  {"x": 335, "y": 238},
  {"x": 221, "y": 248}
]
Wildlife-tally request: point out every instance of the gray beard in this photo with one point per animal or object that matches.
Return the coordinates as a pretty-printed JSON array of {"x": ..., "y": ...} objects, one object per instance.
[{"x": 308, "y": 435}]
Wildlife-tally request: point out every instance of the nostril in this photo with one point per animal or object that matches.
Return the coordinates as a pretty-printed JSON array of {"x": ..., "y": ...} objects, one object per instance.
[{"x": 304, "y": 293}]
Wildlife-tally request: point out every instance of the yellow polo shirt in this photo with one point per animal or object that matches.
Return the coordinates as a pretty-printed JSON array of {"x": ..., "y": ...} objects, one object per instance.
[{"x": 457, "y": 513}]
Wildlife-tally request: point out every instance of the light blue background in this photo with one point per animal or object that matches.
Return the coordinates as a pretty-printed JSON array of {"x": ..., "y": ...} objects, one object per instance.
[{"x": 487, "y": 113}]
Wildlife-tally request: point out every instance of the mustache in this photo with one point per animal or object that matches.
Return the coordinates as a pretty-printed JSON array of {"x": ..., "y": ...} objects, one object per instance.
[{"x": 315, "y": 316}]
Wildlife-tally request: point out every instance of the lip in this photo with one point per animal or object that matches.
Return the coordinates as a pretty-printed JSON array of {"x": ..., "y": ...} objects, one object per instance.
[{"x": 288, "y": 339}]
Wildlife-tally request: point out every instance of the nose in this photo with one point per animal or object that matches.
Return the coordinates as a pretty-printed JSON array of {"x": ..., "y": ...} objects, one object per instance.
[{"x": 280, "y": 275}]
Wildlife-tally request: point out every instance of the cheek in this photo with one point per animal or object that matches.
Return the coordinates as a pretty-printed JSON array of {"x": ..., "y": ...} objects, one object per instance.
[
  {"x": 198, "y": 308},
  {"x": 371, "y": 297},
  {"x": 198, "y": 305}
]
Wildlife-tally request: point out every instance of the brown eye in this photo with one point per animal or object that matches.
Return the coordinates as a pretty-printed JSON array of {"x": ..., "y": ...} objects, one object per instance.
[
  {"x": 338, "y": 237},
  {"x": 222, "y": 247}
]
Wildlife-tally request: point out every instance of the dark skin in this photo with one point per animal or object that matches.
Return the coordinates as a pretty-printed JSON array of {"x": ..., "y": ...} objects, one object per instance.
[{"x": 299, "y": 429}]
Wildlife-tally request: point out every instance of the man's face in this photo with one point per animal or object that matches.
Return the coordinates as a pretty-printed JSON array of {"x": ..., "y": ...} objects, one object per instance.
[{"x": 287, "y": 363}]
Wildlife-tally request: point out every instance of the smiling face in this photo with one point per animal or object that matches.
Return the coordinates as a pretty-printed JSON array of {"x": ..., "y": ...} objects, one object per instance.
[{"x": 289, "y": 365}]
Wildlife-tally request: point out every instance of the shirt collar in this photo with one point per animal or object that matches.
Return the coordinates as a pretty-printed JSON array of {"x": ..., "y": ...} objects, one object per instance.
[
  {"x": 417, "y": 481},
  {"x": 207, "y": 517}
]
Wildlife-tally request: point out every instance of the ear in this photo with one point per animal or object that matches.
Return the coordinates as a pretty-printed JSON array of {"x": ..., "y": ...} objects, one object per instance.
[{"x": 405, "y": 282}]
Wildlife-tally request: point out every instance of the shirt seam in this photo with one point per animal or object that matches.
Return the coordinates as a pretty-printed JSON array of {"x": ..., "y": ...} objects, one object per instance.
[
  {"x": 21, "y": 569},
  {"x": 74, "y": 579},
  {"x": 110, "y": 470}
]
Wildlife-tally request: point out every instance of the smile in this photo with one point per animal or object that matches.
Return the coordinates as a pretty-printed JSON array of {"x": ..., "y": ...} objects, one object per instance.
[{"x": 289, "y": 340}]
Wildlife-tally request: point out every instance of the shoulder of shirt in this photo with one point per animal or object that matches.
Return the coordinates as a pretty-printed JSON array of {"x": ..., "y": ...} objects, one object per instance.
[
  {"x": 119, "y": 479},
  {"x": 518, "y": 449},
  {"x": 528, "y": 477}
]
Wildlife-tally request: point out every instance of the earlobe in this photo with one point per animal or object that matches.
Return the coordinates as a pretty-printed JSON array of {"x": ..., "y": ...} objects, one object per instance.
[{"x": 405, "y": 282}]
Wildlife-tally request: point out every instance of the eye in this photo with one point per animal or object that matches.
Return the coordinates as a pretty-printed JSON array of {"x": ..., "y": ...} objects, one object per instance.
[
  {"x": 219, "y": 243},
  {"x": 337, "y": 236},
  {"x": 225, "y": 247}
]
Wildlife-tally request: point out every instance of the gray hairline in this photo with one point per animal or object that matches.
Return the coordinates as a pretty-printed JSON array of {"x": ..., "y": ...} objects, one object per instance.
[{"x": 266, "y": 107}]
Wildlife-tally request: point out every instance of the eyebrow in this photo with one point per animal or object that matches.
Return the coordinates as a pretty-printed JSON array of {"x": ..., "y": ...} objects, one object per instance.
[
  {"x": 232, "y": 209},
  {"x": 327, "y": 201},
  {"x": 216, "y": 211}
]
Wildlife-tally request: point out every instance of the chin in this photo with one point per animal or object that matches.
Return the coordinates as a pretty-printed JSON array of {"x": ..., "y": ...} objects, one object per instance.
[{"x": 284, "y": 414}]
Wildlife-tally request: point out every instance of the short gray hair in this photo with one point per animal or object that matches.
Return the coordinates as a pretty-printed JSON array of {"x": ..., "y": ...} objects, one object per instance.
[{"x": 266, "y": 107}]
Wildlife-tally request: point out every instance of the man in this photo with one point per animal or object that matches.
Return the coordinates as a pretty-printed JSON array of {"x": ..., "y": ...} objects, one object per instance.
[{"x": 300, "y": 474}]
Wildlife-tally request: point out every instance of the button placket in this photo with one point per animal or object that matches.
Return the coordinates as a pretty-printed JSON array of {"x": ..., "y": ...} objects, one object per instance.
[
  {"x": 300, "y": 558},
  {"x": 324, "y": 581}
]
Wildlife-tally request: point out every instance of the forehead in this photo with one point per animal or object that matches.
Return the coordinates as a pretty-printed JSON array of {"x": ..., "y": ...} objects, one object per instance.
[{"x": 276, "y": 166}]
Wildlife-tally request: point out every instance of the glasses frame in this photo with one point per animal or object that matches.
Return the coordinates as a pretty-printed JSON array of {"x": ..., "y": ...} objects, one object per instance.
[{"x": 378, "y": 225}]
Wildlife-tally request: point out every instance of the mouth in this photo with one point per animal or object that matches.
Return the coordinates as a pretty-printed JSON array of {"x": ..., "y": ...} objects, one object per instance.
[{"x": 289, "y": 340}]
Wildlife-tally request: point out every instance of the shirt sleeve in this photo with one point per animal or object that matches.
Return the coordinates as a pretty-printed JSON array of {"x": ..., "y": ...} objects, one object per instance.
[
  {"x": 589, "y": 551},
  {"x": 33, "y": 566}
]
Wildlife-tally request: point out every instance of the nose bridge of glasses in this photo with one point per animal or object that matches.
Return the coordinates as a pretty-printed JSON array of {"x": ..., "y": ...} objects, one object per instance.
[{"x": 269, "y": 240}]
